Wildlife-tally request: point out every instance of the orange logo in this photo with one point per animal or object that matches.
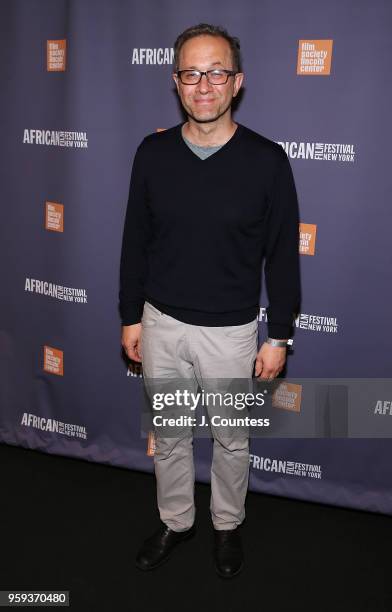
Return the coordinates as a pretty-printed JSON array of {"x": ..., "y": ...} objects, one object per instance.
[
  {"x": 314, "y": 57},
  {"x": 53, "y": 360},
  {"x": 151, "y": 444},
  {"x": 55, "y": 55},
  {"x": 307, "y": 238},
  {"x": 287, "y": 396},
  {"x": 54, "y": 216}
]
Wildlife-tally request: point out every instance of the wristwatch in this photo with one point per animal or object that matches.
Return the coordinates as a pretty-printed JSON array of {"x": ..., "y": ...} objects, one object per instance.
[{"x": 273, "y": 342}]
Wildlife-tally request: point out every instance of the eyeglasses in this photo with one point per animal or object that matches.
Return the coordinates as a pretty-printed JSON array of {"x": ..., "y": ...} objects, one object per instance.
[{"x": 217, "y": 76}]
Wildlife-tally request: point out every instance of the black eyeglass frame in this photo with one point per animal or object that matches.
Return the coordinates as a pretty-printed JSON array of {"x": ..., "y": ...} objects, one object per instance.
[{"x": 229, "y": 73}]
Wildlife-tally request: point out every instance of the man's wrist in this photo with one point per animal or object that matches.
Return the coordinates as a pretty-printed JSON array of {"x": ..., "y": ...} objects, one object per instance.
[{"x": 126, "y": 324}]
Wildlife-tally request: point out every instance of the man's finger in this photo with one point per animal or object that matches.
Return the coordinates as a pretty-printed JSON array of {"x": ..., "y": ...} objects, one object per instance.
[
  {"x": 267, "y": 374},
  {"x": 258, "y": 367},
  {"x": 133, "y": 353}
]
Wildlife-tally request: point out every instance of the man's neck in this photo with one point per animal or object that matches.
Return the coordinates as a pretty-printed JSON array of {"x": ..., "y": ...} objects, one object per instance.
[{"x": 208, "y": 134}]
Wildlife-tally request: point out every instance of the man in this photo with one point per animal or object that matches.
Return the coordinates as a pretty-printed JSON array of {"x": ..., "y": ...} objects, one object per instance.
[{"x": 208, "y": 199}]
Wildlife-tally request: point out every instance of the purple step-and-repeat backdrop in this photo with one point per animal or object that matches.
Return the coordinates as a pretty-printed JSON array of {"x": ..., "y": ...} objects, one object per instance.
[{"x": 83, "y": 82}]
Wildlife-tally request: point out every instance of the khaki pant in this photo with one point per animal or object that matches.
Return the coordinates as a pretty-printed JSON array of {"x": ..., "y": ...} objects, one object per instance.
[{"x": 172, "y": 349}]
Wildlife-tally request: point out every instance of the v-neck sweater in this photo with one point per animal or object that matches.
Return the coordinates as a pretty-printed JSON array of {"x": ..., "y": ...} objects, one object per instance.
[
  {"x": 196, "y": 232},
  {"x": 200, "y": 151}
]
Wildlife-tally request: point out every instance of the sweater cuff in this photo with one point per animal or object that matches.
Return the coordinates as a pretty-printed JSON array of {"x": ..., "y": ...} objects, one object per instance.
[
  {"x": 131, "y": 314},
  {"x": 279, "y": 331}
]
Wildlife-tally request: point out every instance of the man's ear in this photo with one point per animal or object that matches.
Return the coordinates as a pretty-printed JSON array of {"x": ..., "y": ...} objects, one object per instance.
[
  {"x": 175, "y": 79},
  {"x": 238, "y": 79}
]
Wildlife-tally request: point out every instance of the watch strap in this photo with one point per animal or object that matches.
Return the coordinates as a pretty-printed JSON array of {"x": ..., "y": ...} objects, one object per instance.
[{"x": 280, "y": 343}]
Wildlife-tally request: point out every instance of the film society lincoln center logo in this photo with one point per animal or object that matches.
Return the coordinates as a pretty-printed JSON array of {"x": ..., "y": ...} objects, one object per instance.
[
  {"x": 314, "y": 57},
  {"x": 53, "y": 360},
  {"x": 287, "y": 396},
  {"x": 307, "y": 238},
  {"x": 55, "y": 55},
  {"x": 54, "y": 216}
]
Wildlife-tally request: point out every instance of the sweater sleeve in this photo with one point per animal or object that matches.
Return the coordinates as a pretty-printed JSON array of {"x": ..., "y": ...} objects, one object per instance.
[
  {"x": 282, "y": 270},
  {"x": 136, "y": 235}
]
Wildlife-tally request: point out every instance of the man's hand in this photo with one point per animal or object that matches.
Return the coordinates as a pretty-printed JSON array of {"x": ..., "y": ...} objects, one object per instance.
[
  {"x": 131, "y": 341},
  {"x": 269, "y": 361}
]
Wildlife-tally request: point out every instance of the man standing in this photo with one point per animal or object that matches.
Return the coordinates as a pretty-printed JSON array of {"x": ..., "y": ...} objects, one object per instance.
[{"x": 208, "y": 199}]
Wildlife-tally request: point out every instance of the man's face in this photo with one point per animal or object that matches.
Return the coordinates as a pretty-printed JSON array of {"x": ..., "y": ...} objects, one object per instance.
[{"x": 205, "y": 102}]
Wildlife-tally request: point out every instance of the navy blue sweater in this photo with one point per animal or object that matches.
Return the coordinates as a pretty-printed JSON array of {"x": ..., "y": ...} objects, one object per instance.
[{"x": 196, "y": 232}]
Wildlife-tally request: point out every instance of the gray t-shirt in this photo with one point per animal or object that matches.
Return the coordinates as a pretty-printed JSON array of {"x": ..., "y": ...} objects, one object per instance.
[{"x": 202, "y": 152}]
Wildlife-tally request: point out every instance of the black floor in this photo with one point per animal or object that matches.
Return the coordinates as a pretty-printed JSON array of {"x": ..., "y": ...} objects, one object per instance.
[{"x": 74, "y": 525}]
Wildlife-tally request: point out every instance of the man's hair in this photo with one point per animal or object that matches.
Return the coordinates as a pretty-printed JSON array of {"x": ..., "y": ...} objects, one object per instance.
[{"x": 203, "y": 29}]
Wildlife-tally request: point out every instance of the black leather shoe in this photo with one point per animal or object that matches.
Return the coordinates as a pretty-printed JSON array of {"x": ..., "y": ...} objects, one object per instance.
[
  {"x": 228, "y": 552},
  {"x": 160, "y": 545}
]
